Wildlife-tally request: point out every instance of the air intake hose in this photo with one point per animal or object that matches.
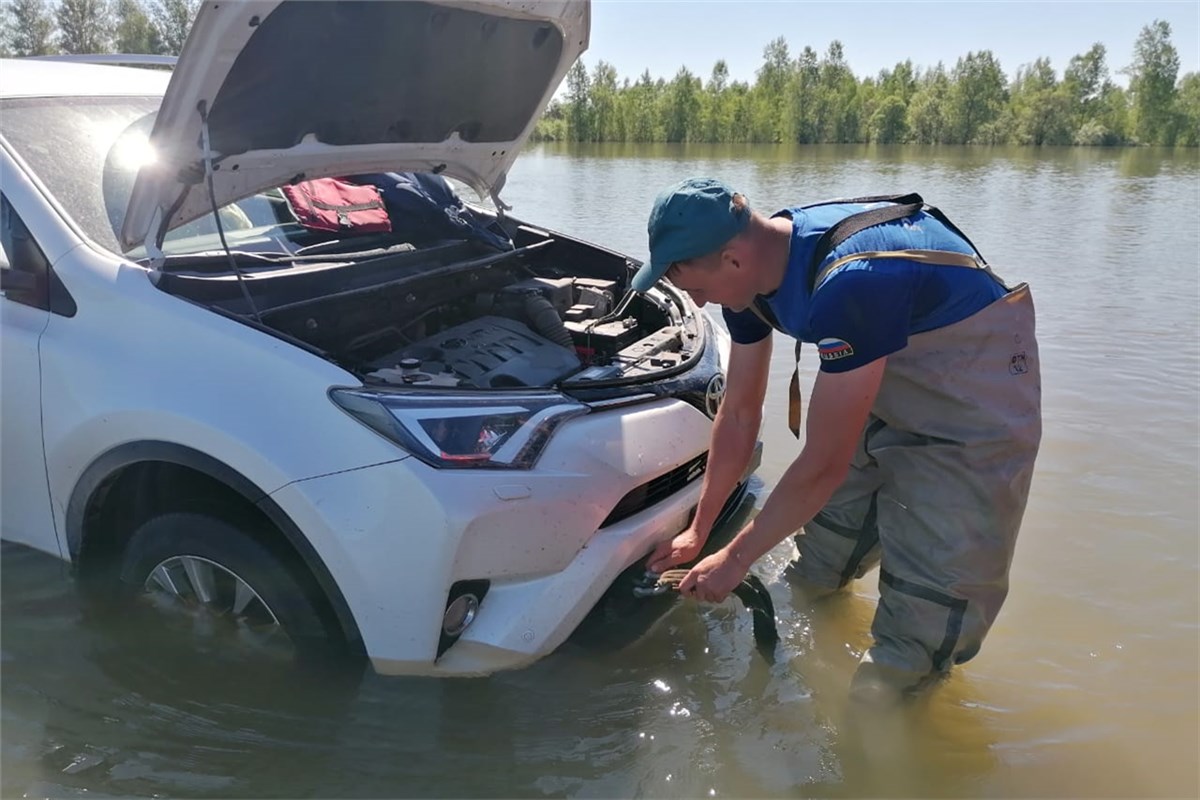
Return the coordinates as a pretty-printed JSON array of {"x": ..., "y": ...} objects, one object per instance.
[{"x": 543, "y": 317}]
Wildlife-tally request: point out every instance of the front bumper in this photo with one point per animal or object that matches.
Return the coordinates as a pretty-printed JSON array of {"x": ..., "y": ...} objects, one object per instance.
[
  {"x": 623, "y": 615},
  {"x": 396, "y": 536}
]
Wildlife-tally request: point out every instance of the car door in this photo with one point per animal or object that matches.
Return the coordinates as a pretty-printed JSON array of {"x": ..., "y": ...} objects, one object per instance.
[{"x": 25, "y": 512}]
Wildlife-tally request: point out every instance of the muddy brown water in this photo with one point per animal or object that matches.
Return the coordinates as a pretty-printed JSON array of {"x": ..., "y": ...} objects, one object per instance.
[{"x": 1087, "y": 685}]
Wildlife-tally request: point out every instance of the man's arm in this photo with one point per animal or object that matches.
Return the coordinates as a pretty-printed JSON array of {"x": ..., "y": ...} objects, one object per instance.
[
  {"x": 837, "y": 414},
  {"x": 735, "y": 428},
  {"x": 731, "y": 445}
]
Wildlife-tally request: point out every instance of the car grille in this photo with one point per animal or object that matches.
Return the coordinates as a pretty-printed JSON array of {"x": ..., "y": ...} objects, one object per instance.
[{"x": 657, "y": 490}]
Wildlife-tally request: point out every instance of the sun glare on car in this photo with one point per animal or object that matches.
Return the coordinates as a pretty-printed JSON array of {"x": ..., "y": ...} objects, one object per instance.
[{"x": 133, "y": 152}]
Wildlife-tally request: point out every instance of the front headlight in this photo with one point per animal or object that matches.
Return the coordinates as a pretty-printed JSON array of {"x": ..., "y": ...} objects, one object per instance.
[{"x": 455, "y": 431}]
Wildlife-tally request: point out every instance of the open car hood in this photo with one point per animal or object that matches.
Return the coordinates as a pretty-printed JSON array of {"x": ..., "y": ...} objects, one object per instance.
[{"x": 304, "y": 89}]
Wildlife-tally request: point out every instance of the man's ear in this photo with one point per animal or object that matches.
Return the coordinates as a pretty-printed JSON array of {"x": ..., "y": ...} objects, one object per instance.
[{"x": 729, "y": 256}]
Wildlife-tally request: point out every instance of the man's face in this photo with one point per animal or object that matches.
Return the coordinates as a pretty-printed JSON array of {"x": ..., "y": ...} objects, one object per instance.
[{"x": 721, "y": 278}]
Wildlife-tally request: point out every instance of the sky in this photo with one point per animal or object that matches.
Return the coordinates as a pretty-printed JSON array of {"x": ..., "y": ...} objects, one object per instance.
[{"x": 663, "y": 35}]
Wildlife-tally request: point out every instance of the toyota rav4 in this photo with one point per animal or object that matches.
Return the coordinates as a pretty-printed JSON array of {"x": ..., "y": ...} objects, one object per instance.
[{"x": 437, "y": 439}]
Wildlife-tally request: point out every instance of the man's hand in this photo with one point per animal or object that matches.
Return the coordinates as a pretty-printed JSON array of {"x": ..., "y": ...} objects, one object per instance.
[
  {"x": 683, "y": 548},
  {"x": 714, "y": 577},
  {"x": 732, "y": 444}
]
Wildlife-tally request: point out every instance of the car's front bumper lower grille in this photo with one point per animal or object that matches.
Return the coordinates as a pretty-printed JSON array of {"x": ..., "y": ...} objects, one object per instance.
[{"x": 657, "y": 490}]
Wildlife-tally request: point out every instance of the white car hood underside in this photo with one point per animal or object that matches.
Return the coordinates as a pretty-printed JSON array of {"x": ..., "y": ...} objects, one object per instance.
[{"x": 303, "y": 89}]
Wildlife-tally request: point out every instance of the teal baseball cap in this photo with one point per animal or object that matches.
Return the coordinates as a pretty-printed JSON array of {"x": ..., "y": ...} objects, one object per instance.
[{"x": 693, "y": 218}]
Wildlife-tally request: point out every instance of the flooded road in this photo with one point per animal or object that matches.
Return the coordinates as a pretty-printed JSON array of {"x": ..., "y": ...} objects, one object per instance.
[{"x": 1087, "y": 685}]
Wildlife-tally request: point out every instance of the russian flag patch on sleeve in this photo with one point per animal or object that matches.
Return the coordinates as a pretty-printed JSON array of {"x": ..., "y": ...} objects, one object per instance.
[{"x": 833, "y": 349}]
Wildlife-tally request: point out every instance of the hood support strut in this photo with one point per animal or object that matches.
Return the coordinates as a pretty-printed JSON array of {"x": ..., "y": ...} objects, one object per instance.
[{"x": 202, "y": 109}]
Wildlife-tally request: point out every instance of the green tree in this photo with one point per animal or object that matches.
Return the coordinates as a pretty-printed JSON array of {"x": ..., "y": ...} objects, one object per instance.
[
  {"x": 1152, "y": 83},
  {"x": 900, "y": 81},
  {"x": 928, "y": 113},
  {"x": 737, "y": 98},
  {"x": 552, "y": 125},
  {"x": 639, "y": 109},
  {"x": 681, "y": 106},
  {"x": 889, "y": 123},
  {"x": 1187, "y": 110},
  {"x": 84, "y": 26},
  {"x": 1114, "y": 114},
  {"x": 770, "y": 89},
  {"x": 606, "y": 122},
  {"x": 717, "y": 122},
  {"x": 1092, "y": 96},
  {"x": 1041, "y": 109},
  {"x": 134, "y": 33},
  {"x": 6, "y": 26},
  {"x": 578, "y": 105},
  {"x": 978, "y": 95},
  {"x": 839, "y": 110},
  {"x": 805, "y": 90},
  {"x": 172, "y": 21},
  {"x": 32, "y": 32},
  {"x": 1085, "y": 79}
]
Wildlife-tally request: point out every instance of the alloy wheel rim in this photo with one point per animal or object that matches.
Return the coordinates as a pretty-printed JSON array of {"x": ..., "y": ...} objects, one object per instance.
[{"x": 215, "y": 594}]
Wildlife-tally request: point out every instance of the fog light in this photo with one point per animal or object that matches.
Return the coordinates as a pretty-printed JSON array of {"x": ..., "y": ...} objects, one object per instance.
[
  {"x": 462, "y": 605},
  {"x": 459, "y": 614}
]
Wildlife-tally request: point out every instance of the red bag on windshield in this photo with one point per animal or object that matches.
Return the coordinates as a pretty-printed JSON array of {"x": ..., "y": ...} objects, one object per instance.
[{"x": 335, "y": 206}]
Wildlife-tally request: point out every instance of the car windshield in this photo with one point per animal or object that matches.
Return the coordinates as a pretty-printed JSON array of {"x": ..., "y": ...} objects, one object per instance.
[
  {"x": 87, "y": 152},
  {"x": 71, "y": 144}
]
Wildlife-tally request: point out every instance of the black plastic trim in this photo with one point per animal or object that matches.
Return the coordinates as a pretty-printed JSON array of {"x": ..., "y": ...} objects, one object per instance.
[
  {"x": 61, "y": 301},
  {"x": 657, "y": 489}
]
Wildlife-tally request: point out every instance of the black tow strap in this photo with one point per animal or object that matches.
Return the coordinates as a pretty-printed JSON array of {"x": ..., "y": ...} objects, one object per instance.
[
  {"x": 750, "y": 591},
  {"x": 757, "y": 599}
]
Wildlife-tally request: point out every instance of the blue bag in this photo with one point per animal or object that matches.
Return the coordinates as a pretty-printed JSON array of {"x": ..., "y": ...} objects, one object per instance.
[{"x": 423, "y": 207}]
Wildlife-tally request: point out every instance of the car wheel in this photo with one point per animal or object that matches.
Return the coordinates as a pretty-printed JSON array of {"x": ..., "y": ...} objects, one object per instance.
[{"x": 225, "y": 582}]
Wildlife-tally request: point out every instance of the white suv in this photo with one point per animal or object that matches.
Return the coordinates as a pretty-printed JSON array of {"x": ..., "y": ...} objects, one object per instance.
[{"x": 424, "y": 446}]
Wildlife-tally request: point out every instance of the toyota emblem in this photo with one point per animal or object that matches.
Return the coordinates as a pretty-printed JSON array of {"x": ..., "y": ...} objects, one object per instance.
[{"x": 713, "y": 394}]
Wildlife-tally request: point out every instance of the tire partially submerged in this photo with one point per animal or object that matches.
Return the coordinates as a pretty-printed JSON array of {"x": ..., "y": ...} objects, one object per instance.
[{"x": 236, "y": 588}]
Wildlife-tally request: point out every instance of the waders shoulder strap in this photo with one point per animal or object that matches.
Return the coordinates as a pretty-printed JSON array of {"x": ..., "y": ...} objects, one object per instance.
[
  {"x": 942, "y": 258},
  {"x": 764, "y": 312},
  {"x": 903, "y": 206}
]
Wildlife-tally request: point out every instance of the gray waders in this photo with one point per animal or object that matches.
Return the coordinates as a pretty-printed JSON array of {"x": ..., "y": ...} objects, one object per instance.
[{"x": 936, "y": 493}]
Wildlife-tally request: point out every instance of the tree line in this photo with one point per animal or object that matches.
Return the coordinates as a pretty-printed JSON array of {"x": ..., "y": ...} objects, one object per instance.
[
  {"x": 814, "y": 99},
  {"x": 41, "y": 28},
  {"x": 808, "y": 99}
]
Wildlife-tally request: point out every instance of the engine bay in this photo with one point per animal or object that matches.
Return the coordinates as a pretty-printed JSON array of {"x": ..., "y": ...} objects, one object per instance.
[
  {"x": 536, "y": 332},
  {"x": 551, "y": 311}
]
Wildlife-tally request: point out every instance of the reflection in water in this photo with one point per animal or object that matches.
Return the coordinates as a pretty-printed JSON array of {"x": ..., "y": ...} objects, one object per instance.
[
  {"x": 1087, "y": 685},
  {"x": 1126, "y": 162}
]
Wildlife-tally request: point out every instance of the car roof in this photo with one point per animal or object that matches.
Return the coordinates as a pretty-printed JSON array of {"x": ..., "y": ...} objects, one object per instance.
[{"x": 32, "y": 77}]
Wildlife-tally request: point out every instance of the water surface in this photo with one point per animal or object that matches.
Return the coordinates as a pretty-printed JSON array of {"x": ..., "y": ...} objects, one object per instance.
[{"x": 1087, "y": 685}]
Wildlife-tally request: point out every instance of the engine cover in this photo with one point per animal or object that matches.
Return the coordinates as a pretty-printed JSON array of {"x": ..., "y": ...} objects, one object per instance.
[{"x": 494, "y": 352}]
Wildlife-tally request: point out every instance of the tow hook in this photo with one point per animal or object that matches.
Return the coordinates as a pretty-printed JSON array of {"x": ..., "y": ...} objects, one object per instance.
[
  {"x": 750, "y": 591},
  {"x": 652, "y": 584}
]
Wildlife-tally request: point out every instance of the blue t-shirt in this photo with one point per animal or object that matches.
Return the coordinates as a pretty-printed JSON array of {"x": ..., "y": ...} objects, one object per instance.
[{"x": 865, "y": 309}]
